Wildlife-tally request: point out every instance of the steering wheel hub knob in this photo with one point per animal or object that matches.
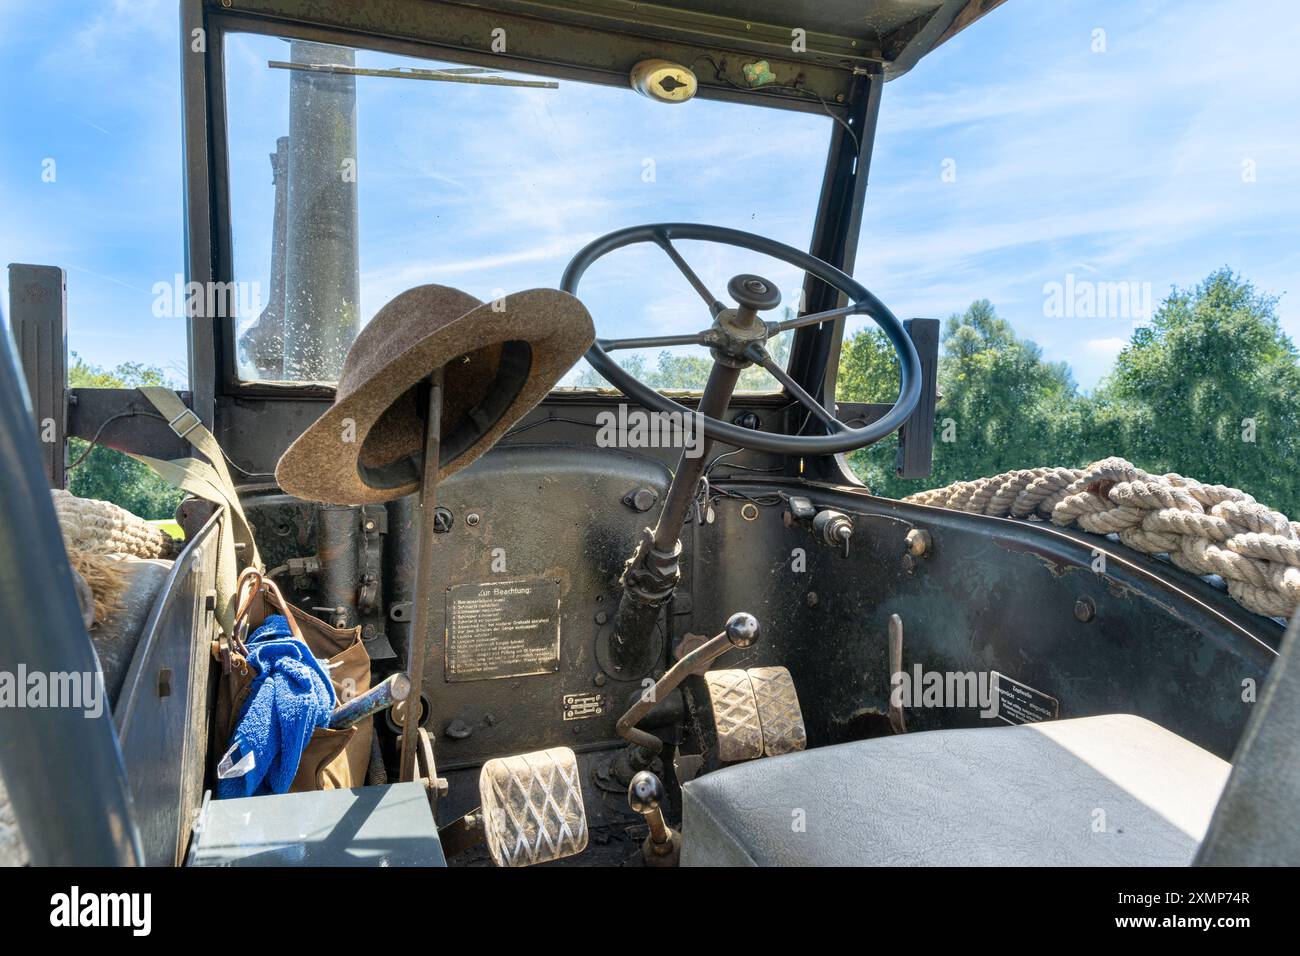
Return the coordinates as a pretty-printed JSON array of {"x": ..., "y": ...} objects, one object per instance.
[{"x": 754, "y": 292}]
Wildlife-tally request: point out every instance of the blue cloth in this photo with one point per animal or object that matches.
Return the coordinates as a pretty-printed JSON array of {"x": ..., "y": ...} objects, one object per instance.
[{"x": 290, "y": 697}]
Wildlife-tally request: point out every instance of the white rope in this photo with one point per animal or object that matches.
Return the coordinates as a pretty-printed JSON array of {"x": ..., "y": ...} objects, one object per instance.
[{"x": 1204, "y": 529}]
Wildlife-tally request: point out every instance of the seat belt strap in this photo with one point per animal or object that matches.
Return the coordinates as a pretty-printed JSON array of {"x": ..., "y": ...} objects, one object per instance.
[{"x": 211, "y": 481}]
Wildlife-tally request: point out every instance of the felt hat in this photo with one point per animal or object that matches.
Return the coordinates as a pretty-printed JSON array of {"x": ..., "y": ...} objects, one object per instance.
[{"x": 499, "y": 360}]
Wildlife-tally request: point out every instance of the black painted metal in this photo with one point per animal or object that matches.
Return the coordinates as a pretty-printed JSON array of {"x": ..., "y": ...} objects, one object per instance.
[
  {"x": 124, "y": 419},
  {"x": 916, "y": 437},
  {"x": 993, "y": 594},
  {"x": 909, "y": 392},
  {"x": 548, "y": 513},
  {"x": 835, "y": 240},
  {"x": 336, "y": 537},
  {"x": 62, "y": 768}
]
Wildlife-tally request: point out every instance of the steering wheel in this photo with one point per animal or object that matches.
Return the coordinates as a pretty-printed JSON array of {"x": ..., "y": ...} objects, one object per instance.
[{"x": 738, "y": 337}]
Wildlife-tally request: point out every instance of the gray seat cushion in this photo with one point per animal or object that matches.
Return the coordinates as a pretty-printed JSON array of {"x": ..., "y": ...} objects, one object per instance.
[{"x": 1096, "y": 791}]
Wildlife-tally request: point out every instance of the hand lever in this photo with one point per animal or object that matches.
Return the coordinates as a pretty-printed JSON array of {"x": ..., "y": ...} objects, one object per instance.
[
  {"x": 645, "y": 794},
  {"x": 741, "y": 631}
]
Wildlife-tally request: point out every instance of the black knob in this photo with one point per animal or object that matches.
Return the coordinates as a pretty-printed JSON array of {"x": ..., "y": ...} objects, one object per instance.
[
  {"x": 645, "y": 793},
  {"x": 742, "y": 629},
  {"x": 754, "y": 292}
]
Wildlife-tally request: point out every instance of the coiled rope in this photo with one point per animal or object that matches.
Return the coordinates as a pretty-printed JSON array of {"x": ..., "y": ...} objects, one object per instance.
[
  {"x": 101, "y": 527},
  {"x": 1204, "y": 529}
]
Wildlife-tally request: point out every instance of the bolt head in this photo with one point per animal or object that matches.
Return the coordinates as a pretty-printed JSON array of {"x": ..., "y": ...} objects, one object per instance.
[{"x": 918, "y": 542}]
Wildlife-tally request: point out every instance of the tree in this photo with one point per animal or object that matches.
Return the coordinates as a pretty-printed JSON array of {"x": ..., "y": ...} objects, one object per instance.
[
  {"x": 1210, "y": 391},
  {"x": 999, "y": 401},
  {"x": 110, "y": 475}
]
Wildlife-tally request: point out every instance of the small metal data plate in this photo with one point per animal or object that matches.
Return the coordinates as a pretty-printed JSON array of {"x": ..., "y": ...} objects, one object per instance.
[
  {"x": 502, "y": 629},
  {"x": 583, "y": 706},
  {"x": 1021, "y": 704}
]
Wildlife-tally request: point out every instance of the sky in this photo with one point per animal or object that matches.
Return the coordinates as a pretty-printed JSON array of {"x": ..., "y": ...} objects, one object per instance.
[{"x": 1053, "y": 149}]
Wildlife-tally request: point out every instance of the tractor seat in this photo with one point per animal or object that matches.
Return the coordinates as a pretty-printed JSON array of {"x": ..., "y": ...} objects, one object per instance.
[{"x": 1114, "y": 790}]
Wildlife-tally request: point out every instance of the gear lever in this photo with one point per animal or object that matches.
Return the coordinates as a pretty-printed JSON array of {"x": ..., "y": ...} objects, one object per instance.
[
  {"x": 645, "y": 795},
  {"x": 741, "y": 631}
]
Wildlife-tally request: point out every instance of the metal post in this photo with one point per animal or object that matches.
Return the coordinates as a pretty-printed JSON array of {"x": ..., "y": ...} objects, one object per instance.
[
  {"x": 262, "y": 343},
  {"x": 322, "y": 272},
  {"x": 425, "y": 590},
  {"x": 38, "y": 309}
]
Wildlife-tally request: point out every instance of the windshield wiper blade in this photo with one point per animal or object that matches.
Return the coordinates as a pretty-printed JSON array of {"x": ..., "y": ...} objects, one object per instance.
[{"x": 451, "y": 75}]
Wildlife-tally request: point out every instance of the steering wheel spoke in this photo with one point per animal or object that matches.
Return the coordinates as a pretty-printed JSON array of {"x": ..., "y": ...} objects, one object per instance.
[
  {"x": 655, "y": 341},
  {"x": 663, "y": 242},
  {"x": 815, "y": 318},
  {"x": 797, "y": 391}
]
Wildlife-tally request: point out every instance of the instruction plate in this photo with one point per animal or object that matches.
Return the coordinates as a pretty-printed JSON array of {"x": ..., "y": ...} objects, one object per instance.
[
  {"x": 502, "y": 629},
  {"x": 1020, "y": 704}
]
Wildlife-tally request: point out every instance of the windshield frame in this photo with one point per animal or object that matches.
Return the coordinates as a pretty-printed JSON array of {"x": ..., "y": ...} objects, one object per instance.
[{"x": 209, "y": 240}]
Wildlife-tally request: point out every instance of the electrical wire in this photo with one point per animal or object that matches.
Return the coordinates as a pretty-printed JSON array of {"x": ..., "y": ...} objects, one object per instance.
[
  {"x": 720, "y": 74},
  {"x": 93, "y": 443}
]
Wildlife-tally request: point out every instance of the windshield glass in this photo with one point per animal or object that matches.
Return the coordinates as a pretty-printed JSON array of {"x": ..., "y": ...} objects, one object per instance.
[{"x": 354, "y": 176}]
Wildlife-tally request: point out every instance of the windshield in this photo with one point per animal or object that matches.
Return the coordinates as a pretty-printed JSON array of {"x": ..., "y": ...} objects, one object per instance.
[{"x": 355, "y": 175}]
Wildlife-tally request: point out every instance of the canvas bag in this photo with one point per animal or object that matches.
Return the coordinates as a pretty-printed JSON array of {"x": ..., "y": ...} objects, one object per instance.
[{"x": 332, "y": 759}]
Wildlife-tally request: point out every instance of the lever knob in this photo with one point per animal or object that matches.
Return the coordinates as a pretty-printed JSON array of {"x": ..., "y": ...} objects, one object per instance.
[
  {"x": 645, "y": 793},
  {"x": 742, "y": 629}
]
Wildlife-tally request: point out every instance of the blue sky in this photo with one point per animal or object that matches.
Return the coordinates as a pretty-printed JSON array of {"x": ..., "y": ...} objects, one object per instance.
[{"x": 1014, "y": 157}]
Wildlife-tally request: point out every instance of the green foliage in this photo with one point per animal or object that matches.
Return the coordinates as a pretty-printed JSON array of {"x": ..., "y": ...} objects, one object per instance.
[
  {"x": 110, "y": 475},
  {"x": 1208, "y": 390},
  {"x": 1218, "y": 381}
]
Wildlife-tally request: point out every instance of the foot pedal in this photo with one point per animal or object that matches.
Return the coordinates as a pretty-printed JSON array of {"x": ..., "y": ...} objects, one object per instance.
[
  {"x": 735, "y": 715},
  {"x": 532, "y": 807},
  {"x": 756, "y": 713}
]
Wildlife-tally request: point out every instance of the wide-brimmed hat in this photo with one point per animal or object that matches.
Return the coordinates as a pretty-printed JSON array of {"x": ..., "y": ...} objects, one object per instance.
[{"x": 499, "y": 360}]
